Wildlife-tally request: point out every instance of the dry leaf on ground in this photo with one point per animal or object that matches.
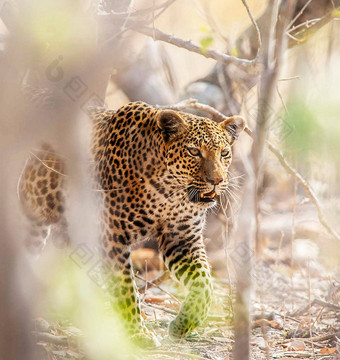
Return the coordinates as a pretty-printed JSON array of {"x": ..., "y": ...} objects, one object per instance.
[
  {"x": 330, "y": 351},
  {"x": 296, "y": 345}
]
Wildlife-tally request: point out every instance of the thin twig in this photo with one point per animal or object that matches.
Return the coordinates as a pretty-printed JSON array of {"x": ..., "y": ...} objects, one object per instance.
[
  {"x": 307, "y": 25},
  {"x": 312, "y": 25},
  {"x": 162, "y": 308},
  {"x": 298, "y": 14},
  {"x": 258, "y": 34},
  {"x": 293, "y": 354},
  {"x": 287, "y": 317},
  {"x": 324, "y": 337},
  {"x": 314, "y": 344},
  {"x": 320, "y": 302},
  {"x": 114, "y": 17},
  {"x": 292, "y": 238},
  {"x": 295, "y": 38},
  {"x": 227, "y": 258},
  {"x": 306, "y": 187},
  {"x": 48, "y": 167},
  {"x": 264, "y": 325},
  {"x": 290, "y": 78},
  {"x": 50, "y": 338},
  {"x": 173, "y": 312},
  {"x": 222, "y": 82},
  {"x": 140, "y": 12},
  {"x": 173, "y": 353},
  {"x": 282, "y": 101},
  {"x": 145, "y": 280},
  {"x": 153, "y": 21},
  {"x": 279, "y": 250},
  {"x": 316, "y": 338},
  {"x": 155, "y": 282},
  {"x": 310, "y": 307}
]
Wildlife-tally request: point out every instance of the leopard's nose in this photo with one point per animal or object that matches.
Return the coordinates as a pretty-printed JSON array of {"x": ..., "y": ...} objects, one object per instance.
[{"x": 214, "y": 181}]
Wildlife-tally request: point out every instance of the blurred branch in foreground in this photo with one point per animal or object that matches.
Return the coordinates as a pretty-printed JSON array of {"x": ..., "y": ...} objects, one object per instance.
[
  {"x": 51, "y": 59},
  {"x": 272, "y": 52},
  {"x": 16, "y": 284},
  {"x": 15, "y": 306}
]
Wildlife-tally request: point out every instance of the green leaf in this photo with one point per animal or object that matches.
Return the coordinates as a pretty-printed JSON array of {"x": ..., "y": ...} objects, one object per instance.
[
  {"x": 336, "y": 13},
  {"x": 205, "y": 29},
  {"x": 234, "y": 51},
  {"x": 206, "y": 42}
]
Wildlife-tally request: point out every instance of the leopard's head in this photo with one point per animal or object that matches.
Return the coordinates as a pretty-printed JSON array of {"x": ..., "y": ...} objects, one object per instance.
[{"x": 199, "y": 153}]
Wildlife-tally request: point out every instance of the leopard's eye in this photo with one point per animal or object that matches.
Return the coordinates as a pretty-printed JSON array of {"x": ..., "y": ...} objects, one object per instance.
[
  {"x": 225, "y": 153},
  {"x": 194, "y": 151}
]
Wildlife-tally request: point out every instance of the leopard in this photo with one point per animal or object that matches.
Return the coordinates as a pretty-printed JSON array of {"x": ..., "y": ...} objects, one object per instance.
[{"x": 159, "y": 172}]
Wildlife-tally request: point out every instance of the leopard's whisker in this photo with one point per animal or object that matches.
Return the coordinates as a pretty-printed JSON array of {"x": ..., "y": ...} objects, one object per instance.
[
  {"x": 232, "y": 194},
  {"x": 228, "y": 205},
  {"x": 234, "y": 187},
  {"x": 231, "y": 177}
]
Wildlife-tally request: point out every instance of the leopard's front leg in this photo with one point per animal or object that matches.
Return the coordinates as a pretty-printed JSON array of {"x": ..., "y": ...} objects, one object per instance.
[{"x": 185, "y": 257}]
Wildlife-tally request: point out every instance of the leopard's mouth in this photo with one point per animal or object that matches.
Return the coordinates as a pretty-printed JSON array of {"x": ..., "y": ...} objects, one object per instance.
[{"x": 197, "y": 196}]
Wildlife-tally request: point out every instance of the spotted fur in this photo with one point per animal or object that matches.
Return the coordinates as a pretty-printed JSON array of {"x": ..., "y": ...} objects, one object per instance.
[{"x": 158, "y": 172}]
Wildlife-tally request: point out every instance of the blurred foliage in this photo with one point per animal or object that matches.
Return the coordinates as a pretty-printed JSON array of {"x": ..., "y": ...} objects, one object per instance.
[
  {"x": 51, "y": 29},
  {"x": 311, "y": 130},
  {"x": 76, "y": 300},
  {"x": 300, "y": 129}
]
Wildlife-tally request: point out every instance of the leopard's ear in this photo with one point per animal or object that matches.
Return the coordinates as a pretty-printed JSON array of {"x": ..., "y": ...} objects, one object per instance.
[
  {"x": 171, "y": 123},
  {"x": 234, "y": 125}
]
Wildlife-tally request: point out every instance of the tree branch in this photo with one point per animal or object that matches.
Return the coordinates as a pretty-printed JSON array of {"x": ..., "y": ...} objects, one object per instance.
[{"x": 156, "y": 34}]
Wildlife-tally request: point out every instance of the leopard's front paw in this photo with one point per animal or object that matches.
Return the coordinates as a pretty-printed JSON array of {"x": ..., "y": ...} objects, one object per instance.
[
  {"x": 145, "y": 340},
  {"x": 180, "y": 327}
]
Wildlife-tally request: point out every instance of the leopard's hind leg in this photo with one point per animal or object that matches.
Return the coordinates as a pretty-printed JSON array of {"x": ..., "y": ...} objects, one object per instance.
[
  {"x": 41, "y": 192},
  {"x": 35, "y": 237}
]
